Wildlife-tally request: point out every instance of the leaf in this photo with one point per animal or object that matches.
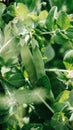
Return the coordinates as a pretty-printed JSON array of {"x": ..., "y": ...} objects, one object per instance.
[
  {"x": 4, "y": 104},
  {"x": 2, "y": 23},
  {"x": 68, "y": 59},
  {"x": 59, "y": 121},
  {"x": 63, "y": 96},
  {"x": 43, "y": 15},
  {"x": 63, "y": 21},
  {"x": 60, "y": 102},
  {"x": 45, "y": 83},
  {"x": 51, "y": 18},
  {"x": 21, "y": 11},
  {"x": 60, "y": 38},
  {"x": 71, "y": 117},
  {"x": 10, "y": 53},
  {"x": 8, "y": 49},
  {"x": 15, "y": 78},
  {"x": 69, "y": 32},
  {"x": 71, "y": 98},
  {"x": 48, "y": 53},
  {"x": 58, "y": 3},
  {"x": 33, "y": 126},
  {"x": 1, "y": 62},
  {"x": 8, "y": 14},
  {"x": 1, "y": 38},
  {"x": 59, "y": 107},
  {"x": 42, "y": 18},
  {"x": 33, "y": 17},
  {"x": 8, "y": 32},
  {"x": 2, "y": 8},
  {"x": 31, "y": 4}
]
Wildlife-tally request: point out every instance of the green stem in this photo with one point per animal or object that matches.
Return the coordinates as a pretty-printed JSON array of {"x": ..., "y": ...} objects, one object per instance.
[
  {"x": 58, "y": 70},
  {"x": 45, "y": 103}
]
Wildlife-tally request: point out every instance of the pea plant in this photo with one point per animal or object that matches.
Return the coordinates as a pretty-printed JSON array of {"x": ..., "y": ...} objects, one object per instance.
[{"x": 36, "y": 62}]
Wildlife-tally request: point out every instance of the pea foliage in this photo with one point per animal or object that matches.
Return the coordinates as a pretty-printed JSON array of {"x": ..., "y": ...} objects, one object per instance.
[{"x": 36, "y": 65}]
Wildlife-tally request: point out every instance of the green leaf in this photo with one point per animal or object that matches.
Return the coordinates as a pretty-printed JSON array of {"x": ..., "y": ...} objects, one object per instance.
[
  {"x": 58, "y": 3},
  {"x": 69, "y": 32},
  {"x": 1, "y": 62},
  {"x": 15, "y": 78},
  {"x": 51, "y": 18},
  {"x": 48, "y": 53},
  {"x": 10, "y": 53},
  {"x": 2, "y": 8},
  {"x": 1, "y": 38},
  {"x": 60, "y": 102},
  {"x": 20, "y": 11},
  {"x": 63, "y": 21},
  {"x": 71, "y": 97},
  {"x": 2, "y": 23},
  {"x": 71, "y": 117},
  {"x": 68, "y": 59},
  {"x": 59, "y": 121},
  {"x": 59, "y": 107},
  {"x": 60, "y": 38},
  {"x": 33, "y": 126},
  {"x": 8, "y": 47},
  {"x": 45, "y": 83},
  {"x": 9, "y": 13}
]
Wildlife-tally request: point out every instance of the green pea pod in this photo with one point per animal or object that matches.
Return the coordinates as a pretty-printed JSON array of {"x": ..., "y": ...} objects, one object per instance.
[
  {"x": 27, "y": 61},
  {"x": 42, "y": 79},
  {"x": 38, "y": 61}
]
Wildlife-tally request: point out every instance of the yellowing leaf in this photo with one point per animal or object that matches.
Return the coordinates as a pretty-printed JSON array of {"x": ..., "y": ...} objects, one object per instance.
[
  {"x": 68, "y": 60},
  {"x": 21, "y": 11},
  {"x": 64, "y": 96},
  {"x": 63, "y": 20},
  {"x": 43, "y": 15}
]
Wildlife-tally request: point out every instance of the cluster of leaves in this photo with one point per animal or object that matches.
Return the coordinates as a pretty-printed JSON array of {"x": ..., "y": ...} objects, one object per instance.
[{"x": 35, "y": 46}]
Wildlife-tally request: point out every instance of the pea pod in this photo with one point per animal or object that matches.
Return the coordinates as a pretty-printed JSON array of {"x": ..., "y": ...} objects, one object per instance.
[
  {"x": 27, "y": 61},
  {"x": 38, "y": 61}
]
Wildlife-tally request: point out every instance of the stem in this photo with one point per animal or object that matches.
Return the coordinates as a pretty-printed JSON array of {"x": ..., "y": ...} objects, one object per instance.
[
  {"x": 50, "y": 2},
  {"x": 52, "y": 32},
  {"x": 6, "y": 44},
  {"x": 58, "y": 70},
  {"x": 45, "y": 103}
]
